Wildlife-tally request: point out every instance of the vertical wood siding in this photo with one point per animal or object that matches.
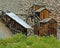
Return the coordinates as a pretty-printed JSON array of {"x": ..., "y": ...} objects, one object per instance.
[
  {"x": 36, "y": 7},
  {"x": 44, "y": 14},
  {"x": 47, "y": 29}
]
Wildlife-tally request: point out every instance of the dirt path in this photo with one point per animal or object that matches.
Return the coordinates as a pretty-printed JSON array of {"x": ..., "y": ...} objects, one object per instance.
[
  {"x": 58, "y": 34},
  {"x": 4, "y": 31}
]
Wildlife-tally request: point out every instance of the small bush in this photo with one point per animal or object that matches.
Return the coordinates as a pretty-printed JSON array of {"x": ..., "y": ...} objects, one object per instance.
[
  {"x": 31, "y": 39},
  {"x": 21, "y": 41},
  {"x": 16, "y": 45},
  {"x": 19, "y": 37}
]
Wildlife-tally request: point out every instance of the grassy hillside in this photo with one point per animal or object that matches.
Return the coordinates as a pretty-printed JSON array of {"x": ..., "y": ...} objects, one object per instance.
[{"x": 21, "y": 41}]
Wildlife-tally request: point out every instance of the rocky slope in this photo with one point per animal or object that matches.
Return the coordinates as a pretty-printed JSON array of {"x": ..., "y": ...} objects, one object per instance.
[{"x": 20, "y": 6}]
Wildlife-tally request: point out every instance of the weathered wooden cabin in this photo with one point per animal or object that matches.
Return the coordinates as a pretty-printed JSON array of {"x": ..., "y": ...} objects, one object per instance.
[
  {"x": 42, "y": 13},
  {"x": 48, "y": 27},
  {"x": 16, "y": 24}
]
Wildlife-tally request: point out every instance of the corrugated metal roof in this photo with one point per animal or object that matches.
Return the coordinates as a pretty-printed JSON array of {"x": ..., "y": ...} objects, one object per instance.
[
  {"x": 18, "y": 20},
  {"x": 40, "y": 9}
]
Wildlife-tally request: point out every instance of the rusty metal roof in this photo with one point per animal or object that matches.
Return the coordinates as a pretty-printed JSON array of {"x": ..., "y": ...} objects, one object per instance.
[{"x": 18, "y": 20}]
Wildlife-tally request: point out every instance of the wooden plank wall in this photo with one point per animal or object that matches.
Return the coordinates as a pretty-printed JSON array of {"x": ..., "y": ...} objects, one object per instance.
[
  {"x": 14, "y": 25},
  {"x": 36, "y": 7},
  {"x": 48, "y": 29},
  {"x": 44, "y": 14}
]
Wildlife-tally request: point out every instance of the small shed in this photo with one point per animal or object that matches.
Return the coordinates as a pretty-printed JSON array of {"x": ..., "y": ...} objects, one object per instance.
[
  {"x": 48, "y": 27},
  {"x": 43, "y": 13},
  {"x": 16, "y": 24}
]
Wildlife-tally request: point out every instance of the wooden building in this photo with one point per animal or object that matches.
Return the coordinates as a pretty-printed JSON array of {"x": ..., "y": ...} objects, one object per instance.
[
  {"x": 38, "y": 11},
  {"x": 16, "y": 24},
  {"x": 35, "y": 7},
  {"x": 42, "y": 13},
  {"x": 32, "y": 9},
  {"x": 48, "y": 27}
]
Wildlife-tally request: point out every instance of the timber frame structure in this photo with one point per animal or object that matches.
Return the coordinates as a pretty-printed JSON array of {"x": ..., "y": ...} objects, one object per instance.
[{"x": 16, "y": 24}]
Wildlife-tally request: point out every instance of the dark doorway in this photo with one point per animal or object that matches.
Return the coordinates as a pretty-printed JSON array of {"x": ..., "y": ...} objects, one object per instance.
[{"x": 38, "y": 14}]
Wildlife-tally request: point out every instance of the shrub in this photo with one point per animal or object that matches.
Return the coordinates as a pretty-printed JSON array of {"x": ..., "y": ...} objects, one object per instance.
[
  {"x": 21, "y": 41},
  {"x": 16, "y": 45},
  {"x": 31, "y": 39},
  {"x": 19, "y": 37}
]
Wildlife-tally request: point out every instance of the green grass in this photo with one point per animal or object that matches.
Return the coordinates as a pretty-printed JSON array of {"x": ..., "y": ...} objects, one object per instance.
[{"x": 22, "y": 41}]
